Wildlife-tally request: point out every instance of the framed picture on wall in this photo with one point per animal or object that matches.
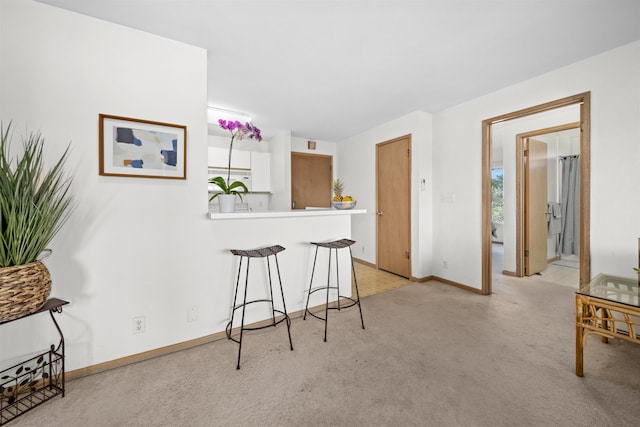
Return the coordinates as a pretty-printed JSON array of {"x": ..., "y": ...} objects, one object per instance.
[{"x": 142, "y": 148}]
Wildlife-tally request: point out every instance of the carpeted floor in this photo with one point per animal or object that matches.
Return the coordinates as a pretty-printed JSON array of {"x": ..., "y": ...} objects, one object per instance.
[{"x": 431, "y": 355}]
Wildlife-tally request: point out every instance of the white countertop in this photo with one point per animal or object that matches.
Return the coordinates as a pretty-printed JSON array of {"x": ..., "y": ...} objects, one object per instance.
[{"x": 284, "y": 214}]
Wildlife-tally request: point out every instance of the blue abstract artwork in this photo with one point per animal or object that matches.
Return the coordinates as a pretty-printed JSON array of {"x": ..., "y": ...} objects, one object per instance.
[{"x": 144, "y": 149}]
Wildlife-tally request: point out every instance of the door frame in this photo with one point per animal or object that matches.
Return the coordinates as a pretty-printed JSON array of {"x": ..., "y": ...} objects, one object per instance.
[
  {"x": 409, "y": 190},
  {"x": 582, "y": 99},
  {"x": 520, "y": 187}
]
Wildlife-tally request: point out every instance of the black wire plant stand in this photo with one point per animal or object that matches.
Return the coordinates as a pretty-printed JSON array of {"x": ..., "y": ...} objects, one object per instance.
[{"x": 32, "y": 382}]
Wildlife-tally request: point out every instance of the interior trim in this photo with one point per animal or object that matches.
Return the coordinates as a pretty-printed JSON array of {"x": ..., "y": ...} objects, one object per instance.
[
  {"x": 185, "y": 345},
  {"x": 140, "y": 357},
  {"x": 456, "y": 284},
  {"x": 584, "y": 100},
  {"x": 363, "y": 262}
]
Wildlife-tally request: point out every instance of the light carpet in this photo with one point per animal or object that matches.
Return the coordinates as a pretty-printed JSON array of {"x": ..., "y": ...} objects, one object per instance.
[{"x": 431, "y": 355}]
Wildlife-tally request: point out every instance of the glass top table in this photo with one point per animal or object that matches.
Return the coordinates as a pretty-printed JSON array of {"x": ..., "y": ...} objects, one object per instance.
[
  {"x": 608, "y": 306},
  {"x": 612, "y": 288}
]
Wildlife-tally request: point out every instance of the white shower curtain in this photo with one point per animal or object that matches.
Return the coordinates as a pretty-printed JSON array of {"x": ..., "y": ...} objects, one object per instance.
[{"x": 570, "y": 236}]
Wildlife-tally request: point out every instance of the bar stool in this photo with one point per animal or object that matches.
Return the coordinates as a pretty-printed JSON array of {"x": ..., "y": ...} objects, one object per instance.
[
  {"x": 333, "y": 245},
  {"x": 257, "y": 253}
]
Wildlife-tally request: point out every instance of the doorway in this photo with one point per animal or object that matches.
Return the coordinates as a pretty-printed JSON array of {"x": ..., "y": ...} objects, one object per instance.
[
  {"x": 393, "y": 201},
  {"x": 582, "y": 100},
  {"x": 311, "y": 177},
  {"x": 561, "y": 141}
]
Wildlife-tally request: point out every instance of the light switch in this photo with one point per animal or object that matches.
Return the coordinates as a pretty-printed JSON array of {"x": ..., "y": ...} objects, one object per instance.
[{"x": 448, "y": 197}]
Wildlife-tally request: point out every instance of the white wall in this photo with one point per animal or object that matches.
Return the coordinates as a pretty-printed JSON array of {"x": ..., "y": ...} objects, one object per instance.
[
  {"x": 614, "y": 81},
  {"x": 327, "y": 148},
  {"x": 246, "y": 144},
  {"x": 281, "y": 171},
  {"x": 134, "y": 246},
  {"x": 356, "y": 160}
]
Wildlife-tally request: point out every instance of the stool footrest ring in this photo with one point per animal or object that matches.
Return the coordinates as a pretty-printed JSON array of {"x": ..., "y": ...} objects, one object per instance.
[
  {"x": 271, "y": 324},
  {"x": 351, "y": 304}
]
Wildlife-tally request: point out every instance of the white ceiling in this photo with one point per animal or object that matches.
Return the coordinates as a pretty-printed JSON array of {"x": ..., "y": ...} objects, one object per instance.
[{"x": 329, "y": 69}]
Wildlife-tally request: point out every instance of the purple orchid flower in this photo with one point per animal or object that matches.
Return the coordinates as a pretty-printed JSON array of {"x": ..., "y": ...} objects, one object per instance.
[{"x": 238, "y": 131}]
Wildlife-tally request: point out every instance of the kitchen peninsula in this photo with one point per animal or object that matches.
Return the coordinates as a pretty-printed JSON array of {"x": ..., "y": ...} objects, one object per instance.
[{"x": 294, "y": 230}]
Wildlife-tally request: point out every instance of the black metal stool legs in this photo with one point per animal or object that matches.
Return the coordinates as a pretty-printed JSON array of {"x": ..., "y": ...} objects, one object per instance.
[
  {"x": 334, "y": 245},
  {"x": 244, "y": 309},
  {"x": 313, "y": 269},
  {"x": 326, "y": 304},
  {"x": 355, "y": 282},
  {"x": 248, "y": 254},
  {"x": 284, "y": 304}
]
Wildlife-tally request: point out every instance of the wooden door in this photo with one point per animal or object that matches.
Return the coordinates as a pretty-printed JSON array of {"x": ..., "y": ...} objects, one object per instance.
[
  {"x": 535, "y": 209},
  {"x": 311, "y": 177},
  {"x": 393, "y": 177}
]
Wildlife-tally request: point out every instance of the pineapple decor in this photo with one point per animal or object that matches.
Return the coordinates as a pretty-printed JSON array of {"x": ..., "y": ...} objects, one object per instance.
[
  {"x": 338, "y": 188},
  {"x": 339, "y": 201}
]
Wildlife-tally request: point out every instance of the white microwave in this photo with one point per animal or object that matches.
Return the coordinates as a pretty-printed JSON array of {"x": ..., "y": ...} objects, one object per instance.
[{"x": 243, "y": 176}]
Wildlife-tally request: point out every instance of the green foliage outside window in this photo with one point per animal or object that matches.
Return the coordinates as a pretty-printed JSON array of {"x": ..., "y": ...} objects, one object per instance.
[{"x": 497, "y": 194}]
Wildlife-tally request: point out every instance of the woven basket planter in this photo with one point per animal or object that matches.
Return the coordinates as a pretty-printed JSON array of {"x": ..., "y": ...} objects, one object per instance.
[{"x": 23, "y": 290}]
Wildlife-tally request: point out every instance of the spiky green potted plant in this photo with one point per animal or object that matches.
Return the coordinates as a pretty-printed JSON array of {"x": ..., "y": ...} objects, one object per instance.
[
  {"x": 229, "y": 190},
  {"x": 34, "y": 204}
]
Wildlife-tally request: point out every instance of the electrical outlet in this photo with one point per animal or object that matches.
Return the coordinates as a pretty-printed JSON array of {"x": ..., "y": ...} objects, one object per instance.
[
  {"x": 139, "y": 325},
  {"x": 364, "y": 249},
  {"x": 192, "y": 314},
  {"x": 445, "y": 264}
]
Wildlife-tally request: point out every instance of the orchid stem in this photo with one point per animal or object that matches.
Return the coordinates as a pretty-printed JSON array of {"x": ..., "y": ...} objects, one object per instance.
[{"x": 229, "y": 168}]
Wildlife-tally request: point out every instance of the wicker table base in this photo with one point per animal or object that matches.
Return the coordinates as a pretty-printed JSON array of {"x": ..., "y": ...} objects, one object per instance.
[{"x": 608, "y": 307}]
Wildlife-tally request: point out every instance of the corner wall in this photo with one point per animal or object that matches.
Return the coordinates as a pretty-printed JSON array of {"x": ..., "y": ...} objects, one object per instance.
[
  {"x": 134, "y": 246},
  {"x": 357, "y": 165}
]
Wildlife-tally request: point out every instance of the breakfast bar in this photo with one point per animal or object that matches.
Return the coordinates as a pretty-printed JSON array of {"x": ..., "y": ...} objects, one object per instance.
[{"x": 292, "y": 229}]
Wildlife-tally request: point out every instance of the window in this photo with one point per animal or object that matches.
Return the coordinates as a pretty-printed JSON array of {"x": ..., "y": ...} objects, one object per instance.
[{"x": 497, "y": 195}]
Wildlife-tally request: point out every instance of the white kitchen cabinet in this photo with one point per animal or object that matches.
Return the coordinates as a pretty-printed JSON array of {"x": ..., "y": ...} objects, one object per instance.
[
  {"x": 219, "y": 158},
  {"x": 260, "y": 172}
]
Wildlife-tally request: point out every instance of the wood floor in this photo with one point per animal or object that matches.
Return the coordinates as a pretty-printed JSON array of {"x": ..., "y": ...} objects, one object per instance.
[{"x": 372, "y": 281}]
